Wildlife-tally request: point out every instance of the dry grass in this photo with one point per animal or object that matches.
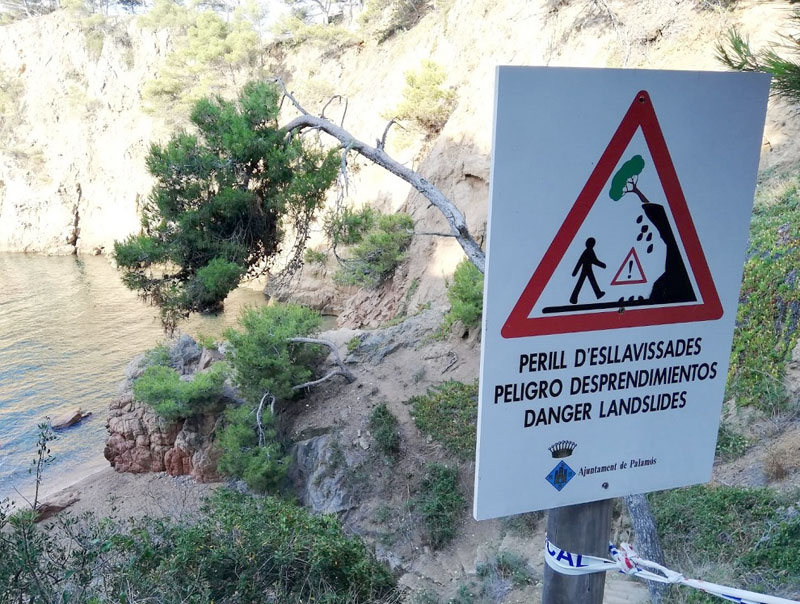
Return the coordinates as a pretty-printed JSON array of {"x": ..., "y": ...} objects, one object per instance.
[{"x": 783, "y": 456}]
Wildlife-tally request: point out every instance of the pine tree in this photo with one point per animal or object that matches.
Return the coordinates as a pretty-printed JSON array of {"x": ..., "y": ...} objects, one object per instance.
[
  {"x": 223, "y": 199},
  {"x": 735, "y": 52}
]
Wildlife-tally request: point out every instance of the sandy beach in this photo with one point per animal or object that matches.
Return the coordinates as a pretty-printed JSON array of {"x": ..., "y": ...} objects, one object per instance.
[{"x": 103, "y": 491}]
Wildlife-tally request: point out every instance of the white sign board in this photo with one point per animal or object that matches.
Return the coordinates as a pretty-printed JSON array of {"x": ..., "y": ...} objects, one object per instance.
[{"x": 618, "y": 224}]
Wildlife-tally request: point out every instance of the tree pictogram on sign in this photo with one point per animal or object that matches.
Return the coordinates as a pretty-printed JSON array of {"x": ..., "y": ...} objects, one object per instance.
[{"x": 673, "y": 297}]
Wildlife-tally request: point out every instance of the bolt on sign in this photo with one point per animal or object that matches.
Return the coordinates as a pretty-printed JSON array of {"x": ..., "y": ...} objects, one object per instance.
[{"x": 618, "y": 223}]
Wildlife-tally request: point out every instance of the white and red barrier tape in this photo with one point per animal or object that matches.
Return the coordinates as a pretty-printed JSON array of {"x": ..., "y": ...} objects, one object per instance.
[{"x": 625, "y": 560}]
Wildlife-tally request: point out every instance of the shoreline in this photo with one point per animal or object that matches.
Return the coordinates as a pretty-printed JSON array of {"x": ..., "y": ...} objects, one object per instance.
[{"x": 100, "y": 489}]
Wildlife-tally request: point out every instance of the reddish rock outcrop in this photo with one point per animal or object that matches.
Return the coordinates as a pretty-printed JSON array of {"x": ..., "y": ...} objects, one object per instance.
[{"x": 141, "y": 441}]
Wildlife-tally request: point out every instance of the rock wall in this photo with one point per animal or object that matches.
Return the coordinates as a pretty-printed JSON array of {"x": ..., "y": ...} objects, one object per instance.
[
  {"x": 72, "y": 174},
  {"x": 141, "y": 441}
]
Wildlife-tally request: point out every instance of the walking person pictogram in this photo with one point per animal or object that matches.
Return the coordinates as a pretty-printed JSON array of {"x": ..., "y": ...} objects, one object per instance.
[{"x": 585, "y": 263}]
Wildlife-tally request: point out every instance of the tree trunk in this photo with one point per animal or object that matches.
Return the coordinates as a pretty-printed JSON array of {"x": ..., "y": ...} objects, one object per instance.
[{"x": 646, "y": 541}]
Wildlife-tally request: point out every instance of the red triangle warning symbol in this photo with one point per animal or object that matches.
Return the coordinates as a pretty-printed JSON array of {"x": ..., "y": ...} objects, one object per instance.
[
  {"x": 673, "y": 298},
  {"x": 630, "y": 271}
]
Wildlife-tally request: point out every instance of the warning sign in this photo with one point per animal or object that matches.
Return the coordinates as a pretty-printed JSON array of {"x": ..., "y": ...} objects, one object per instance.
[
  {"x": 684, "y": 290},
  {"x": 618, "y": 223}
]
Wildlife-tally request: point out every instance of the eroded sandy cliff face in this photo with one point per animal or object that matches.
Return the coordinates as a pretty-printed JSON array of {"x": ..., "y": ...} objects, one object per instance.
[
  {"x": 72, "y": 172},
  {"x": 77, "y": 153}
]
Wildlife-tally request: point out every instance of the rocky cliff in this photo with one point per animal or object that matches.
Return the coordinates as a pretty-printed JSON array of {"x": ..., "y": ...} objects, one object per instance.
[
  {"x": 141, "y": 441},
  {"x": 72, "y": 174}
]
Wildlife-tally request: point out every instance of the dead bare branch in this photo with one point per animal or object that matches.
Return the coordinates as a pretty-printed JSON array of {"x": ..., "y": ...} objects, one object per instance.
[
  {"x": 259, "y": 415},
  {"x": 342, "y": 370},
  {"x": 451, "y": 213},
  {"x": 382, "y": 141},
  {"x": 453, "y": 360},
  {"x": 336, "y": 97},
  {"x": 346, "y": 374},
  {"x": 290, "y": 96},
  {"x": 409, "y": 231}
]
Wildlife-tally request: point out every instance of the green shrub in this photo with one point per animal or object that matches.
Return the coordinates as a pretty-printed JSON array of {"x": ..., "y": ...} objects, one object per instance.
[
  {"x": 465, "y": 294},
  {"x": 206, "y": 341},
  {"x": 212, "y": 283},
  {"x": 314, "y": 257},
  {"x": 239, "y": 549},
  {"x": 385, "y": 18},
  {"x": 94, "y": 31},
  {"x": 263, "y": 358},
  {"x": 346, "y": 226},
  {"x": 425, "y": 102},
  {"x": 755, "y": 532},
  {"x": 353, "y": 344},
  {"x": 11, "y": 91},
  {"x": 440, "y": 504},
  {"x": 294, "y": 31},
  {"x": 172, "y": 398},
  {"x": 448, "y": 413},
  {"x": 263, "y": 467},
  {"x": 166, "y": 14},
  {"x": 158, "y": 355},
  {"x": 384, "y": 427},
  {"x": 207, "y": 51},
  {"x": 506, "y": 565},
  {"x": 766, "y": 323},
  {"x": 730, "y": 444},
  {"x": 378, "y": 254}
]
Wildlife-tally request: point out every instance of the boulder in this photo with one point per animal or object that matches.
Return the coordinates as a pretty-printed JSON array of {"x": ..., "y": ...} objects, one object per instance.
[
  {"x": 319, "y": 474},
  {"x": 141, "y": 441},
  {"x": 53, "y": 507},
  {"x": 69, "y": 419}
]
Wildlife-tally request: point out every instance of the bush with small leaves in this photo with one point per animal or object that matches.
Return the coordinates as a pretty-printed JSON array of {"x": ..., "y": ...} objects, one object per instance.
[
  {"x": 346, "y": 226},
  {"x": 375, "y": 258},
  {"x": 766, "y": 323},
  {"x": 384, "y": 427},
  {"x": 208, "y": 52},
  {"x": 263, "y": 467},
  {"x": 238, "y": 549},
  {"x": 294, "y": 31},
  {"x": 263, "y": 358},
  {"x": 173, "y": 398},
  {"x": 385, "y": 18},
  {"x": 448, "y": 413},
  {"x": 425, "y": 102},
  {"x": 353, "y": 344},
  {"x": 440, "y": 504},
  {"x": 752, "y": 533},
  {"x": 465, "y": 294},
  {"x": 315, "y": 257}
]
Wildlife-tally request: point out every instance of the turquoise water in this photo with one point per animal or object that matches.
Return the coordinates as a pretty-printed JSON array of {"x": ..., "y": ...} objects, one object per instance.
[{"x": 68, "y": 327}]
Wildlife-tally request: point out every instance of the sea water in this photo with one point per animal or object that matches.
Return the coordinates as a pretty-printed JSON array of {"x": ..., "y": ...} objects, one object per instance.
[{"x": 68, "y": 327}]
